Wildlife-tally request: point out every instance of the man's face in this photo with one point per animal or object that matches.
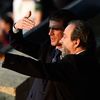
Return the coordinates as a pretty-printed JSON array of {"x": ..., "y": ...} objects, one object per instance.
[
  {"x": 68, "y": 46},
  {"x": 55, "y": 32}
]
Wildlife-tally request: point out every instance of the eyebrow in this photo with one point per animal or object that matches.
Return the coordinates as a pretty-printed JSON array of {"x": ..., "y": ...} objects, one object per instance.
[{"x": 56, "y": 28}]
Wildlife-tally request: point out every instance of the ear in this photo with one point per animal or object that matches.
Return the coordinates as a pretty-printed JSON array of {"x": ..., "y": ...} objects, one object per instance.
[{"x": 76, "y": 43}]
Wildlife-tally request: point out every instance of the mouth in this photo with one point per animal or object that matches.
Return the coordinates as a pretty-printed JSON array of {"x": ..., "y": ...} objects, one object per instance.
[{"x": 52, "y": 39}]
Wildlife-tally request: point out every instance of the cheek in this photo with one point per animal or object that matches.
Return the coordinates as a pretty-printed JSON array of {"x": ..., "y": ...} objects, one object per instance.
[
  {"x": 59, "y": 37},
  {"x": 64, "y": 49},
  {"x": 64, "y": 44},
  {"x": 67, "y": 44}
]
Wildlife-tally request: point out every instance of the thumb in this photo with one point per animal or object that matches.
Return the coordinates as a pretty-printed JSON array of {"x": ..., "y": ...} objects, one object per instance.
[{"x": 28, "y": 14}]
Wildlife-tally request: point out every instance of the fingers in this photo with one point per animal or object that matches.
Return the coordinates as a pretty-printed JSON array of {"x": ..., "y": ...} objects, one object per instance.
[
  {"x": 27, "y": 26},
  {"x": 28, "y": 21},
  {"x": 25, "y": 23}
]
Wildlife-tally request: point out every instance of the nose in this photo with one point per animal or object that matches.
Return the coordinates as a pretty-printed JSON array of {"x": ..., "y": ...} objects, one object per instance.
[{"x": 51, "y": 32}]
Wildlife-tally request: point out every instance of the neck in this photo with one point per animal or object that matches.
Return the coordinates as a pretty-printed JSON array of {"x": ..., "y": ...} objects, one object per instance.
[{"x": 78, "y": 50}]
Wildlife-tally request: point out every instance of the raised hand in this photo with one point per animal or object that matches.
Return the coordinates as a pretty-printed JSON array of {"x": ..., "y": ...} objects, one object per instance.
[{"x": 25, "y": 23}]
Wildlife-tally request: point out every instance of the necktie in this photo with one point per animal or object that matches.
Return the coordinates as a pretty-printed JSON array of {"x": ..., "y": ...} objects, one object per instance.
[{"x": 56, "y": 57}]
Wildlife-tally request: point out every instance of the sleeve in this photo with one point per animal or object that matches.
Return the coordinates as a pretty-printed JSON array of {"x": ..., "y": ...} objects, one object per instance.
[
  {"x": 19, "y": 43},
  {"x": 28, "y": 66}
]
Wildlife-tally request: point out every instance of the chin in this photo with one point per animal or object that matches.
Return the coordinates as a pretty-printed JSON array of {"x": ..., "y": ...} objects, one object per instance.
[{"x": 53, "y": 44}]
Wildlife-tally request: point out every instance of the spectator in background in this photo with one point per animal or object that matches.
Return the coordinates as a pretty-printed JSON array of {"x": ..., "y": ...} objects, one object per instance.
[{"x": 6, "y": 24}]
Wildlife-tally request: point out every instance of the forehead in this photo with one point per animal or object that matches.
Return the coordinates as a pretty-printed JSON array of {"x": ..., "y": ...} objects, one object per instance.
[
  {"x": 53, "y": 23},
  {"x": 69, "y": 29}
]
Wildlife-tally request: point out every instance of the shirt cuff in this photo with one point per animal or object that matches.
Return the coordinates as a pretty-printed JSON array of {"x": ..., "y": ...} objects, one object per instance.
[{"x": 15, "y": 30}]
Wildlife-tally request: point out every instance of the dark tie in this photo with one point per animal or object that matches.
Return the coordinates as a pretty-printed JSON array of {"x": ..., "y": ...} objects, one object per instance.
[{"x": 56, "y": 57}]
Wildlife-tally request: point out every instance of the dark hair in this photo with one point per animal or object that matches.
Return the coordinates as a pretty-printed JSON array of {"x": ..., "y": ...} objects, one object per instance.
[
  {"x": 85, "y": 34},
  {"x": 63, "y": 15}
]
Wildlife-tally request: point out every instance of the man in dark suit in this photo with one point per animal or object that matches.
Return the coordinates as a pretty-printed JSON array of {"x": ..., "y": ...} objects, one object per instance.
[
  {"x": 57, "y": 22},
  {"x": 73, "y": 77}
]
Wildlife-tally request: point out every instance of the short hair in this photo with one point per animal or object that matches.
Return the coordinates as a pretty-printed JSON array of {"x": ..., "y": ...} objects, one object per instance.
[
  {"x": 83, "y": 32},
  {"x": 63, "y": 15}
]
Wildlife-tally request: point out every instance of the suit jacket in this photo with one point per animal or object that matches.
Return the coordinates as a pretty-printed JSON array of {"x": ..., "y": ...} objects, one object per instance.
[
  {"x": 73, "y": 78},
  {"x": 23, "y": 45},
  {"x": 40, "y": 86},
  {"x": 44, "y": 53}
]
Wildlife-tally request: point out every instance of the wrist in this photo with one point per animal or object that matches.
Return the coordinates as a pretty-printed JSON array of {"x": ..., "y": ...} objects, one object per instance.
[
  {"x": 14, "y": 25},
  {"x": 15, "y": 30}
]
